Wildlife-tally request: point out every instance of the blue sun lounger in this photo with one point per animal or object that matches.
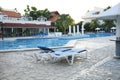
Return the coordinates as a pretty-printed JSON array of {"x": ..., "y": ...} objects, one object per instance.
[{"x": 63, "y": 52}]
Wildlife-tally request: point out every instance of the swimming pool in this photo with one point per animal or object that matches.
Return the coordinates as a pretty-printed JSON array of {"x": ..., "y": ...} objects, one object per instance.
[{"x": 47, "y": 42}]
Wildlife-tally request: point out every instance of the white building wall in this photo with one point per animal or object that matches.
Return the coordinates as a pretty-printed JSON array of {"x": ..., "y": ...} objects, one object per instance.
[{"x": 96, "y": 10}]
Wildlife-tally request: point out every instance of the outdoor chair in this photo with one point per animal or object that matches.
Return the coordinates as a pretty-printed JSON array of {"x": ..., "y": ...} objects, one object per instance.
[
  {"x": 45, "y": 52},
  {"x": 69, "y": 55},
  {"x": 54, "y": 54}
]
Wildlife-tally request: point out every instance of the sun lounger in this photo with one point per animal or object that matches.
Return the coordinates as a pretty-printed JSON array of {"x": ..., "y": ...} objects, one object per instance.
[
  {"x": 70, "y": 53},
  {"x": 63, "y": 52},
  {"x": 45, "y": 52}
]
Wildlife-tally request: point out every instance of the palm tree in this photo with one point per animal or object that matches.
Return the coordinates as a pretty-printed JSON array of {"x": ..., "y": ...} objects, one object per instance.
[
  {"x": 34, "y": 13},
  {"x": 46, "y": 13},
  {"x": 27, "y": 10},
  {"x": 87, "y": 27},
  {"x": 108, "y": 24},
  {"x": 64, "y": 22},
  {"x": 94, "y": 24}
]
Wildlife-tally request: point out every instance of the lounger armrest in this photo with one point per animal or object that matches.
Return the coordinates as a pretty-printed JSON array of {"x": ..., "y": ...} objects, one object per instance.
[
  {"x": 81, "y": 51},
  {"x": 46, "y": 49}
]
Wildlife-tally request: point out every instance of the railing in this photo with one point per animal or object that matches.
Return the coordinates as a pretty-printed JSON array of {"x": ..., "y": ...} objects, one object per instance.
[{"x": 5, "y": 20}]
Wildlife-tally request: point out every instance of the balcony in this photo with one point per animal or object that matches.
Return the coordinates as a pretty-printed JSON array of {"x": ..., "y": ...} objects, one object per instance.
[{"x": 23, "y": 21}]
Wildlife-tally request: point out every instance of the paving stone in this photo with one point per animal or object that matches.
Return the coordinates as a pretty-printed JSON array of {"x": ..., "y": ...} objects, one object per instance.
[{"x": 98, "y": 66}]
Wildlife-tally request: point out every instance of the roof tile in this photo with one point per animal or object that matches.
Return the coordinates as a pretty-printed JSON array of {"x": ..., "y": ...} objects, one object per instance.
[{"x": 11, "y": 13}]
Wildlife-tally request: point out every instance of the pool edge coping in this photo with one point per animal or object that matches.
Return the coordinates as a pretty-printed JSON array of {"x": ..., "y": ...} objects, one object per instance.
[{"x": 31, "y": 49}]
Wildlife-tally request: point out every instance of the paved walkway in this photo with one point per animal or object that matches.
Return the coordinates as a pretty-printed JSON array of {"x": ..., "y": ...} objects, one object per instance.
[{"x": 100, "y": 64}]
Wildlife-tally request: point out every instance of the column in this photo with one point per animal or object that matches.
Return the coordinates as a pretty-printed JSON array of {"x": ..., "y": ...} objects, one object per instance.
[
  {"x": 73, "y": 30},
  {"x": 48, "y": 31},
  {"x": 11, "y": 29},
  {"x": 117, "y": 55},
  {"x": 54, "y": 29},
  {"x": 23, "y": 31},
  {"x": 82, "y": 28},
  {"x": 78, "y": 29},
  {"x": 69, "y": 29},
  {"x": 39, "y": 30},
  {"x": 44, "y": 30}
]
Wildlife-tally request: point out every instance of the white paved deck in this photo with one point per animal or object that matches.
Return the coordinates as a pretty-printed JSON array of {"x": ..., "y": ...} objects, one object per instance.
[{"x": 100, "y": 64}]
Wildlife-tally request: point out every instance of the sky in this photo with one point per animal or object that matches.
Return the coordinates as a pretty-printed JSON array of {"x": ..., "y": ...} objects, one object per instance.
[{"x": 76, "y": 8}]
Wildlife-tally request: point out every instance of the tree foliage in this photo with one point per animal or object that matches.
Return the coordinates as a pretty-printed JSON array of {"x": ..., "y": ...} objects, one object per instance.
[
  {"x": 27, "y": 10},
  {"x": 35, "y": 13},
  {"x": 87, "y": 27},
  {"x": 79, "y": 24},
  {"x": 94, "y": 24},
  {"x": 64, "y": 22},
  {"x": 0, "y": 8},
  {"x": 108, "y": 24},
  {"x": 107, "y": 8}
]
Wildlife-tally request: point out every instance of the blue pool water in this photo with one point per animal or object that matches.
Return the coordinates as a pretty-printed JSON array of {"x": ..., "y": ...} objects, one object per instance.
[{"x": 47, "y": 42}]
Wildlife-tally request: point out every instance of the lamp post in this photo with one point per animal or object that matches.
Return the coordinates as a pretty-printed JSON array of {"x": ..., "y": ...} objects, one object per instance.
[{"x": 1, "y": 24}]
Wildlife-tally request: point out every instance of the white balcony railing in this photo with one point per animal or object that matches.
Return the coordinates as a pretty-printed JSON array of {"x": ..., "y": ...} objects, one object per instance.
[{"x": 6, "y": 20}]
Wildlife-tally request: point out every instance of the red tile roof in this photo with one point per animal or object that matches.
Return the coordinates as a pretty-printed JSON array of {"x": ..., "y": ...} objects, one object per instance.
[
  {"x": 55, "y": 16},
  {"x": 11, "y": 13},
  {"x": 55, "y": 12}
]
